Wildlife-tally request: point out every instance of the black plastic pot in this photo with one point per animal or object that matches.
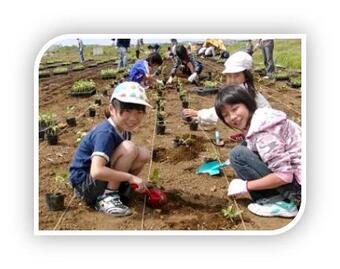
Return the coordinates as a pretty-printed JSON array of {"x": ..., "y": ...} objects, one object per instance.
[
  {"x": 186, "y": 118},
  {"x": 182, "y": 97},
  {"x": 83, "y": 94},
  {"x": 176, "y": 143},
  {"x": 194, "y": 125},
  {"x": 98, "y": 101},
  {"x": 92, "y": 112},
  {"x": 52, "y": 139},
  {"x": 71, "y": 122},
  {"x": 55, "y": 201},
  {"x": 185, "y": 104},
  {"x": 105, "y": 92},
  {"x": 206, "y": 91},
  {"x": 160, "y": 129}
]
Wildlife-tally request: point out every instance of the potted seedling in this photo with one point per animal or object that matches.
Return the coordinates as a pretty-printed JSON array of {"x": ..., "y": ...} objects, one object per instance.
[
  {"x": 98, "y": 100},
  {"x": 52, "y": 135},
  {"x": 185, "y": 103},
  {"x": 71, "y": 120},
  {"x": 46, "y": 120},
  {"x": 55, "y": 200},
  {"x": 160, "y": 127},
  {"x": 194, "y": 125},
  {"x": 92, "y": 110},
  {"x": 184, "y": 140},
  {"x": 108, "y": 73},
  {"x": 83, "y": 88},
  {"x": 160, "y": 116}
]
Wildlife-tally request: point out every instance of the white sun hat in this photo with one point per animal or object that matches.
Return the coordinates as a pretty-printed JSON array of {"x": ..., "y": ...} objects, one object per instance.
[
  {"x": 130, "y": 92},
  {"x": 238, "y": 62}
]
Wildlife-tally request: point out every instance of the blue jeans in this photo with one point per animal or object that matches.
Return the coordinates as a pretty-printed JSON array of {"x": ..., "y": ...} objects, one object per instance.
[
  {"x": 267, "y": 51},
  {"x": 122, "y": 57},
  {"x": 81, "y": 55},
  {"x": 249, "y": 166}
]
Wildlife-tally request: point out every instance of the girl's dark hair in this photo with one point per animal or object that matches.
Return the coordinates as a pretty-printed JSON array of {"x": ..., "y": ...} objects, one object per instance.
[
  {"x": 121, "y": 106},
  {"x": 182, "y": 53},
  {"x": 155, "y": 59},
  {"x": 232, "y": 95},
  {"x": 249, "y": 80}
]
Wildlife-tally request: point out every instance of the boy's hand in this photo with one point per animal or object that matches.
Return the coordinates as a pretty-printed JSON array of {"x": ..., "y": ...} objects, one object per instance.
[
  {"x": 138, "y": 183},
  {"x": 169, "y": 80}
]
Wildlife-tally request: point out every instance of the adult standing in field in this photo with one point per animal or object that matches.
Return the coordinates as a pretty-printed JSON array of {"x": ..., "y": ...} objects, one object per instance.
[
  {"x": 138, "y": 46},
  {"x": 267, "y": 46},
  {"x": 123, "y": 45},
  {"x": 81, "y": 50}
]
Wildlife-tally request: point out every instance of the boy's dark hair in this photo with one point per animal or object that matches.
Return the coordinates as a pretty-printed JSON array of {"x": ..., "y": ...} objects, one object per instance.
[
  {"x": 182, "y": 53},
  {"x": 249, "y": 80},
  {"x": 232, "y": 95},
  {"x": 155, "y": 59},
  {"x": 121, "y": 106}
]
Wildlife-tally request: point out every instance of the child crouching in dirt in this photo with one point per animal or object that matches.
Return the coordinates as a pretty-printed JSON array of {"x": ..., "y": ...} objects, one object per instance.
[
  {"x": 106, "y": 162},
  {"x": 269, "y": 165},
  {"x": 142, "y": 70}
]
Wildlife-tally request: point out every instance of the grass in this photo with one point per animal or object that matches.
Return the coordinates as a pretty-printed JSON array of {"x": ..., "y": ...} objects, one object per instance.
[{"x": 287, "y": 53}]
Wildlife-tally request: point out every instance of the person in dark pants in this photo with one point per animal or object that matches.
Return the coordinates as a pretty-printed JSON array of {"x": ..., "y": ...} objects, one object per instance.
[
  {"x": 123, "y": 45},
  {"x": 267, "y": 46},
  {"x": 81, "y": 50}
]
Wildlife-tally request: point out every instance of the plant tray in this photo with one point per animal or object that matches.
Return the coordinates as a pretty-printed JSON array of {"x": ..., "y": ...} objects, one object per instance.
[
  {"x": 88, "y": 93},
  {"x": 206, "y": 91}
]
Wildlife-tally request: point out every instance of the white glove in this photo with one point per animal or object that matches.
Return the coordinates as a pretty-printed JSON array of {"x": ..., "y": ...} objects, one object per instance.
[
  {"x": 160, "y": 82},
  {"x": 169, "y": 80},
  {"x": 193, "y": 77},
  {"x": 237, "y": 186}
]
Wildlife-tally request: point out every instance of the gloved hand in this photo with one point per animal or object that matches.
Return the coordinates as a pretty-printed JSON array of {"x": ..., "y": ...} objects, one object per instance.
[
  {"x": 160, "y": 82},
  {"x": 193, "y": 77},
  {"x": 169, "y": 80},
  {"x": 237, "y": 186}
]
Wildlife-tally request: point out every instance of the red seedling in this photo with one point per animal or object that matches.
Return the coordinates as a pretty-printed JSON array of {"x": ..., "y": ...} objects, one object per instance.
[{"x": 155, "y": 197}]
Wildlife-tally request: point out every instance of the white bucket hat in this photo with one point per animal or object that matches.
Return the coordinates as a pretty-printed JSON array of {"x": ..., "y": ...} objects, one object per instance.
[
  {"x": 238, "y": 62},
  {"x": 130, "y": 92}
]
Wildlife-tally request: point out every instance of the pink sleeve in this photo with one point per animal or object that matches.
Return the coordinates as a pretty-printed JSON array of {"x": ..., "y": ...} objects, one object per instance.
[{"x": 272, "y": 152}]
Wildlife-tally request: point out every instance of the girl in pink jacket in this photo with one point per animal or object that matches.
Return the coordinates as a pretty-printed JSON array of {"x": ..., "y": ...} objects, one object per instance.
[{"x": 268, "y": 163}]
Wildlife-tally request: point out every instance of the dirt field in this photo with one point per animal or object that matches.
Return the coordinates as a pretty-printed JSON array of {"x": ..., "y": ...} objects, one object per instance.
[{"x": 195, "y": 201}]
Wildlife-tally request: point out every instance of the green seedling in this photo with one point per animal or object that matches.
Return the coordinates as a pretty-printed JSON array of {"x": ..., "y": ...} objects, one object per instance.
[
  {"x": 155, "y": 178},
  {"x": 231, "y": 212},
  {"x": 210, "y": 84},
  {"x": 80, "y": 136},
  {"x": 83, "y": 86}
]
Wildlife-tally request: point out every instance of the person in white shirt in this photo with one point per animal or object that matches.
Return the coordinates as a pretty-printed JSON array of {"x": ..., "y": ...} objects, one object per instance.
[{"x": 237, "y": 72}]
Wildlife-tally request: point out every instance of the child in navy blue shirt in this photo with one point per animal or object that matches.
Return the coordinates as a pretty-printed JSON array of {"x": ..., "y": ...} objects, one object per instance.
[
  {"x": 142, "y": 70},
  {"x": 106, "y": 162}
]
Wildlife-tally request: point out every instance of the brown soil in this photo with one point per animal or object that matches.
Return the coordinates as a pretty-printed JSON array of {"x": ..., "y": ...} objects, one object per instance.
[{"x": 195, "y": 201}]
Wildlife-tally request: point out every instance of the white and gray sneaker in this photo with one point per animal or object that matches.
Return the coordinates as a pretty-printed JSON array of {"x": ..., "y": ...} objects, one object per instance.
[
  {"x": 111, "y": 204},
  {"x": 274, "y": 209}
]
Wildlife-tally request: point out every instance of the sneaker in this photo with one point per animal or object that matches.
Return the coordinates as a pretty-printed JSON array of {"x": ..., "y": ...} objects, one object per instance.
[
  {"x": 274, "y": 209},
  {"x": 112, "y": 205}
]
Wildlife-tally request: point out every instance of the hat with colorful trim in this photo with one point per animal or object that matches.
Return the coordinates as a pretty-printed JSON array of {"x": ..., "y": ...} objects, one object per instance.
[{"x": 130, "y": 92}]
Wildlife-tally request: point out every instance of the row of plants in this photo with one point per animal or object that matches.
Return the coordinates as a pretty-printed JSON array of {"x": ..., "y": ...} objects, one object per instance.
[{"x": 83, "y": 88}]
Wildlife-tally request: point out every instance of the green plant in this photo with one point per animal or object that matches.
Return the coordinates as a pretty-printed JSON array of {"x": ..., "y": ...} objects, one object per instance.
[
  {"x": 48, "y": 119},
  {"x": 83, "y": 86},
  {"x": 108, "y": 73},
  {"x": 155, "y": 178},
  {"x": 212, "y": 155},
  {"x": 78, "y": 67},
  {"x": 44, "y": 73},
  {"x": 61, "y": 178},
  {"x": 231, "y": 212},
  {"x": 60, "y": 70},
  {"x": 210, "y": 84},
  {"x": 54, "y": 129},
  {"x": 70, "y": 109},
  {"x": 80, "y": 136}
]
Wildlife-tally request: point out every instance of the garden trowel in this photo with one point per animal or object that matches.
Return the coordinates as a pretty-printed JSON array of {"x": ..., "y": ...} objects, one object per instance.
[{"x": 212, "y": 168}]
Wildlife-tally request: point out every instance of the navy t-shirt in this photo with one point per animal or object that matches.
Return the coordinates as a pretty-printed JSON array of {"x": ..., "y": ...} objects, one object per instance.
[{"x": 102, "y": 141}]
